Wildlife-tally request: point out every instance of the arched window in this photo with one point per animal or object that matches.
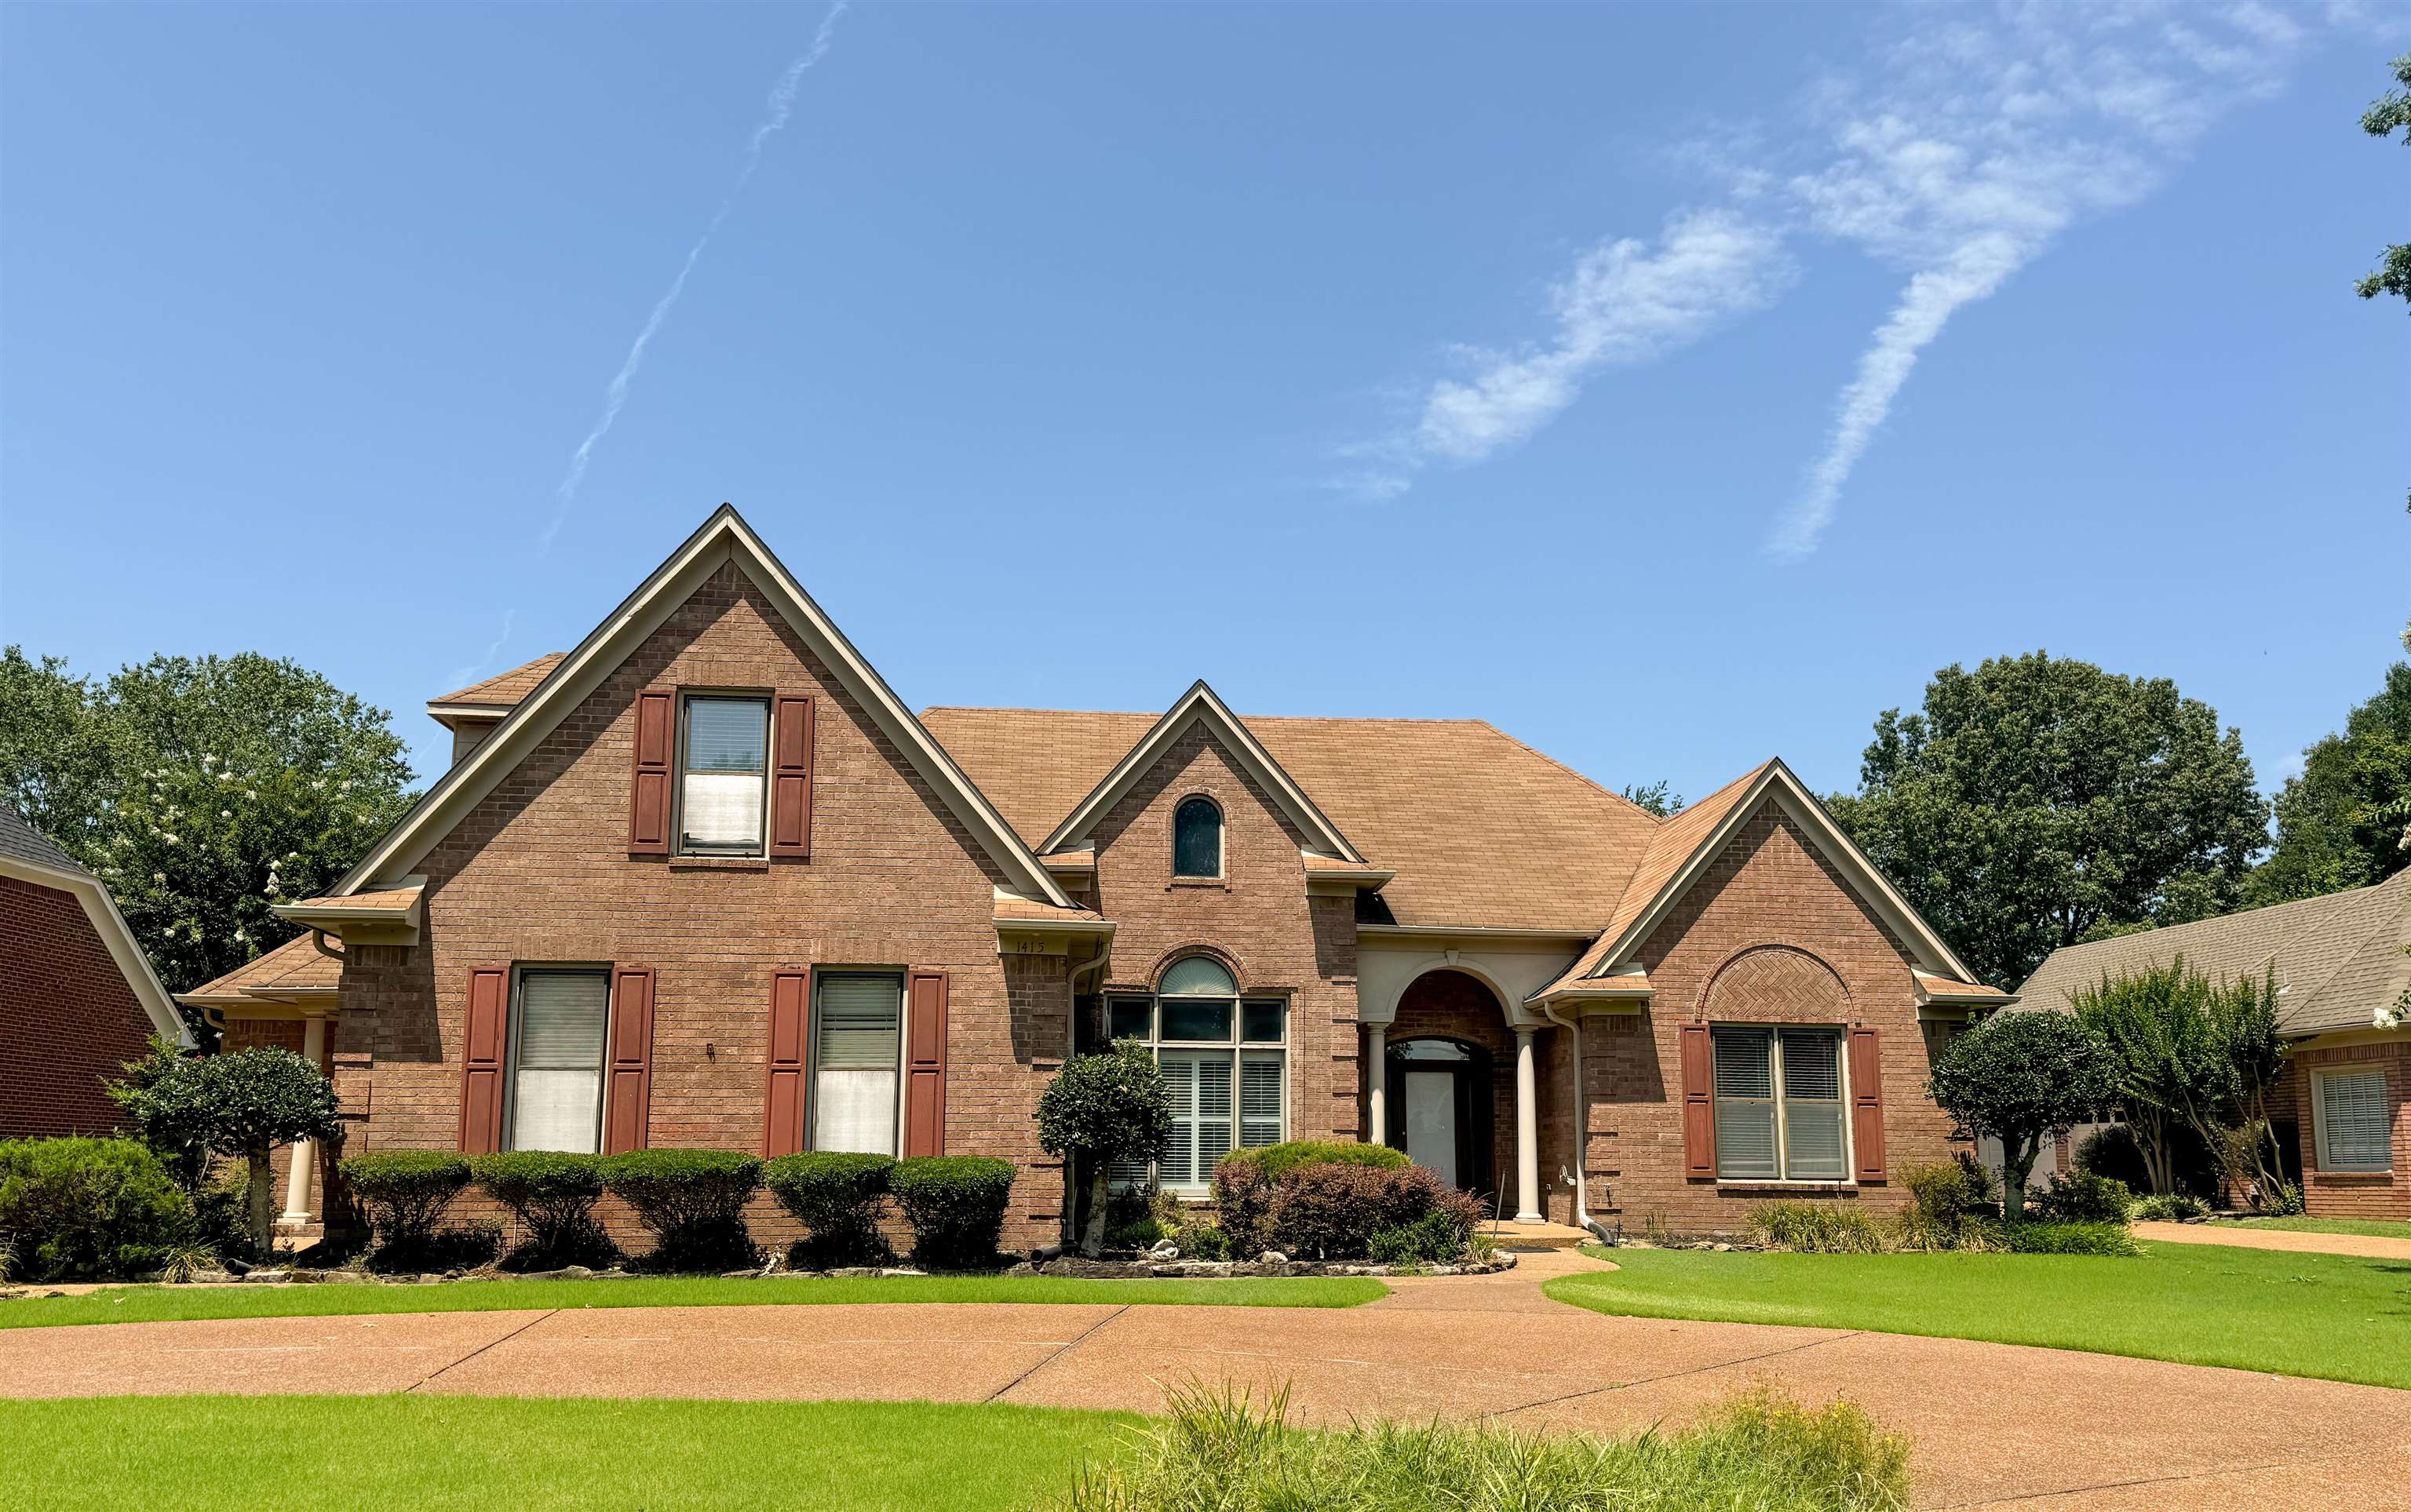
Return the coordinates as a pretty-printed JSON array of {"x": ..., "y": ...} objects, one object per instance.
[
  {"x": 1197, "y": 838},
  {"x": 1224, "y": 1060}
]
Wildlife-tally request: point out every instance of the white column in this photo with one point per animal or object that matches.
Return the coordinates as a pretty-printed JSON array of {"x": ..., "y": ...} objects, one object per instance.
[
  {"x": 1528, "y": 1132},
  {"x": 305, "y": 1151},
  {"x": 1377, "y": 1082}
]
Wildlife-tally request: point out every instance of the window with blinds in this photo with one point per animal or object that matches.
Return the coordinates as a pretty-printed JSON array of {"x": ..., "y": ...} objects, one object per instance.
[
  {"x": 1779, "y": 1107},
  {"x": 2355, "y": 1133},
  {"x": 556, "y": 1048},
  {"x": 721, "y": 786},
  {"x": 857, "y": 1045},
  {"x": 1224, "y": 1062}
]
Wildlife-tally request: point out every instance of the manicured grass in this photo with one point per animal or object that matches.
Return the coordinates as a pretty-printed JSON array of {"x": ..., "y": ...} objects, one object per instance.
[
  {"x": 152, "y": 1304},
  {"x": 2327, "y": 1316},
  {"x": 2304, "y": 1224},
  {"x": 196, "y": 1454}
]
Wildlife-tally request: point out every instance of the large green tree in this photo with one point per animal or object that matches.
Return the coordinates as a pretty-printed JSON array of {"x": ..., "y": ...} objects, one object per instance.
[
  {"x": 2388, "y": 115},
  {"x": 2036, "y": 798},
  {"x": 2340, "y": 822},
  {"x": 201, "y": 790}
]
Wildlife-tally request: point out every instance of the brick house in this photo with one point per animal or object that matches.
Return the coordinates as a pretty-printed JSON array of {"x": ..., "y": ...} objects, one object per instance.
[
  {"x": 2344, "y": 1101},
  {"x": 78, "y": 999},
  {"x": 706, "y": 880}
]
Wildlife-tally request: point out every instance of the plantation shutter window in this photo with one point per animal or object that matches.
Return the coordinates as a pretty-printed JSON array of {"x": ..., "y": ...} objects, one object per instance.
[
  {"x": 1745, "y": 1105},
  {"x": 2353, "y": 1127},
  {"x": 720, "y": 787},
  {"x": 1224, "y": 1062},
  {"x": 1201, "y": 1116},
  {"x": 556, "y": 1061},
  {"x": 857, "y": 1027},
  {"x": 1812, "y": 1105},
  {"x": 1261, "y": 1082},
  {"x": 1781, "y": 1112}
]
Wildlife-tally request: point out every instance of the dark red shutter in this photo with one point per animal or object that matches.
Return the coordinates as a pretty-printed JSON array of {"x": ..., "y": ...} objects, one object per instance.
[
  {"x": 628, "y": 1089},
  {"x": 485, "y": 1027},
  {"x": 648, "y": 789},
  {"x": 782, "y": 1117},
  {"x": 1866, "y": 1103},
  {"x": 791, "y": 776},
  {"x": 1698, "y": 1102},
  {"x": 924, "y": 1063}
]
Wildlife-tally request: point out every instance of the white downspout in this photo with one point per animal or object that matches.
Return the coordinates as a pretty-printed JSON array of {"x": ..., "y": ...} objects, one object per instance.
[{"x": 1581, "y": 1118}]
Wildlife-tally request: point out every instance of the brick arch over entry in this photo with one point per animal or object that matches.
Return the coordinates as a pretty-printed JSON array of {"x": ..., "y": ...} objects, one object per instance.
[
  {"x": 1777, "y": 984},
  {"x": 1454, "y": 1006}
]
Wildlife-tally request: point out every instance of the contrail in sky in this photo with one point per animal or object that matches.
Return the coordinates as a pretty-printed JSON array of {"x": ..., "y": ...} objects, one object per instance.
[{"x": 783, "y": 100}]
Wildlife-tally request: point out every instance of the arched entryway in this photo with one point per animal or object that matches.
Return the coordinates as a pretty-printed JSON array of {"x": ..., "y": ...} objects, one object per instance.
[{"x": 1440, "y": 1108}]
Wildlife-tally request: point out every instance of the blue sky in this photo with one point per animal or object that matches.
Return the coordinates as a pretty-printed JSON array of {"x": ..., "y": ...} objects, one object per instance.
[{"x": 1672, "y": 385}]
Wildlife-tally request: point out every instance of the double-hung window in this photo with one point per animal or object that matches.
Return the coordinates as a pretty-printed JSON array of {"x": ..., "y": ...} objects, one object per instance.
[
  {"x": 556, "y": 1050},
  {"x": 1223, "y": 1061},
  {"x": 1779, "y": 1104},
  {"x": 2351, "y": 1113},
  {"x": 722, "y": 779},
  {"x": 857, "y": 1046}
]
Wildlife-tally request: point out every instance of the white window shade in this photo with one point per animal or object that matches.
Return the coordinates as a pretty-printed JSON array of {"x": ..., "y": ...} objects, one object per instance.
[
  {"x": 1746, "y": 1145},
  {"x": 557, "y": 1051},
  {"x": 2354, "y": 1133},
  {"x": 857, "y": 1039},
  {"x": 721, "y": 793},
  {"x": 1812, "y": 1106}
]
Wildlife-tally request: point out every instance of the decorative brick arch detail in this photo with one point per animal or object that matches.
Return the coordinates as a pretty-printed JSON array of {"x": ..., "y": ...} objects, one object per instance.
[
  {"x": 1777, "y": 984},
  {"x": 1213, "y": 952}
]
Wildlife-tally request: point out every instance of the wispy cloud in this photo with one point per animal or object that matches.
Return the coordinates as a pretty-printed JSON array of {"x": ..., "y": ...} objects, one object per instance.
[
  {"x": 467, "y": 672},
  {"x": 780, "y": 105}
]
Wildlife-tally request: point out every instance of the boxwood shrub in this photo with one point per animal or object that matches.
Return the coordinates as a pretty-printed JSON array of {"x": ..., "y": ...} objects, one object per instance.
[
  {"x": 692, "y": 1202},
  {"x": 835, "y": 1195},
  {"x": 77, "y": 1210},
  {"x": 956, "y": 1204},
  {"x": 553, "y": 1194},
  {"x": 2081, "y": 1196},
  {"x": 406, "y": 1192}
]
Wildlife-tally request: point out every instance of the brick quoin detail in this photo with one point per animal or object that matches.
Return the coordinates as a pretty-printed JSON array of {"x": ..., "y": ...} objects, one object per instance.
[{"x": 68, "y": 1019}]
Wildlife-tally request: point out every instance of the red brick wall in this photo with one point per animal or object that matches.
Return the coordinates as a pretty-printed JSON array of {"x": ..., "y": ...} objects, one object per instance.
[
  {"x": 1708, "y": 959},
  {"x": 68, "y": 1019},
  {"x": 2350, "y": 1195},
  {"x": 540, "y": 872}
]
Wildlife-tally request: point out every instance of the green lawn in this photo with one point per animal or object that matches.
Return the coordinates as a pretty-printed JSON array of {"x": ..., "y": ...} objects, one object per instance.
[
  {"x": 151, "y": 1304},
  {"x": 196, "y": 1454},
  {"x": 2304, "y": 1224},
  {"x": 2294, "y": 1314}
]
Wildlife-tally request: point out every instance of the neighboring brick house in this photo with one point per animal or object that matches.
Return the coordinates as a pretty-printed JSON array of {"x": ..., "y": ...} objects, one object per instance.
[
  {"x": 78, "y": 999},
  {"x": 2345, "y": 1098},
  {"x": 706, "y": 880}
]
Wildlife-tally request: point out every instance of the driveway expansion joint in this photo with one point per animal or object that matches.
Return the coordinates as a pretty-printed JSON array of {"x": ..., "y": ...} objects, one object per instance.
[
  {"x": 480, "y": 1350},
  {"x": 1069, "y": 1344},
  {"x": 1674, "y": 1376}
]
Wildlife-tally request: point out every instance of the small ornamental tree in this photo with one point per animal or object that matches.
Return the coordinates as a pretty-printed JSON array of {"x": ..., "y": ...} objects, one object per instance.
[
  {"x": 2017, "y": 1078},
  {"x": 242, "y": 1104},
  {"x": 1101, "y": 1109}
]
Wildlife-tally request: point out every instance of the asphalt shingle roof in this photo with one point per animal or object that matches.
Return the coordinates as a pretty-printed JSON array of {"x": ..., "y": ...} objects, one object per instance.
[{"x": 23, "y": 842}]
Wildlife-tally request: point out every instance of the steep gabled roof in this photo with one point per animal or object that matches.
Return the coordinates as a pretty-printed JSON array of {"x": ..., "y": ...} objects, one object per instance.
[
  {"x": 723, "y": 539},
  {"x": 27, "y": 854}
]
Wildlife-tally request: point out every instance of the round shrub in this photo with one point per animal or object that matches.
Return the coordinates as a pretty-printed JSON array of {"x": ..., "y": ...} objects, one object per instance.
[
  {"x": 73, "y": 1209},
  {"x": 1246, "y": 1181},
  {"x": 405, "y": 1192},
  {"x": 692, "y": 1202},
  {"x": 956, "y": 1204},
  {"x": 1331, "y": 1212},
  {"x": 552, "y": 1195},
  {"x": 835, "y": 1195},
  {"x": 1278, "y": 1160},
  {"x": 2080, "y": 1197},
  {"x": 2168, "y": 1207}
]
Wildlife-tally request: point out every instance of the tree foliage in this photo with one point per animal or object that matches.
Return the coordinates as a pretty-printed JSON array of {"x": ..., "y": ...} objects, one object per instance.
[
  {"x": 2035, "y": 799},
  {"x": 2018, "y": 1078},
  {"x": 201, "y": 790},
  {"x": 2388, "y": 115},
  {"x": 2340, "y": 822},
  {"x": 1659, "y": 797},
  {"x": 1104, "y": 1109},
  {"x": 242, "y": 1104},
  {"x": 2194, "y": 1056}
]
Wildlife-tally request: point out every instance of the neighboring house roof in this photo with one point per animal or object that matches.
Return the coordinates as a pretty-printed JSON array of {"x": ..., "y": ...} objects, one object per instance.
[
  {"x": 297, "y": 968},
  {"x": 28, "y": 855},
  {"x": 497, "y": 695},
  {"x": 2337, "y": 958}
]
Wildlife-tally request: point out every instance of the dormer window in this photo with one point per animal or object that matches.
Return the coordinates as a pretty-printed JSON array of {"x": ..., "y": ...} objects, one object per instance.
[{"x": 1197, "y": 838}]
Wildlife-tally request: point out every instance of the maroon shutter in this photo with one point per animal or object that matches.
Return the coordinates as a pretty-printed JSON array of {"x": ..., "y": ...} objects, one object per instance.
[
  {"x": 649, "y": 790},
  {"x": 925, "y": 1063},
  {"x": 485, "y": 1027},
  {"x": 628, "y": 1090},
  {"x": 791, "y": 776},
  {"x": 1866, "y": 1103},
  {"x": 782, "y": 1117},
  {"x": 1698, "y": 1102}
]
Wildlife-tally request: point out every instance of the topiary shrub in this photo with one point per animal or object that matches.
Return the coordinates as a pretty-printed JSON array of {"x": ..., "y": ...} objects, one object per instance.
[
  {"x": 2017, "y": 1078},
  {"x": 836, "y": 1196},
  {"x": 692, "y": 1202},
  {"x": 553, "y": 1194},
  {"x": 241, "y": 1103},
  {"x": 2069, "y": 1239},
  {"x": 2081, "y": 1196},
  {"x": 77, "y": 1210},
  {"x": 406, "y": 1192},
  {"x": 1817, "y": 1228},
  {"x": 1331, "y": 1212},
  {"x": 1104, "y": 1109},
  {"x": 956, "y": 1204}
]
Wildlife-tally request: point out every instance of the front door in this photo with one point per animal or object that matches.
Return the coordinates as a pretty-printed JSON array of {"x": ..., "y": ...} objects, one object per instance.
[
  {"x": 1431, "y": 1122},
  {"x": 1440, "y": 1109}
]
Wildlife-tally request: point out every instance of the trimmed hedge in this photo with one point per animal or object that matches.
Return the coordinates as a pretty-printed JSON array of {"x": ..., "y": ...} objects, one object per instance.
[
  {"x": 1278, "y": 1160},
  {"x": 2069, "y": 1239},
  {"x": 76, "y": 1209},
  {"x": 835, "y": 1195},
  {"x": 692, "y": 1202},
  {"x": 406, "y": 1192},
  {"x": 956, "y": 1204},
  {"x": 553, "y": 1194},
  {"x": 1246, "y": 1181}
]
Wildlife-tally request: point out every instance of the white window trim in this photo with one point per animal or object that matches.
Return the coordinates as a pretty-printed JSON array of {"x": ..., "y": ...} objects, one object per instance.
[
  {"x": 904, "y": 1050},
  {"x": 760, "y": 849},
  {"x": 2319, "y": 1120},
  {"x": 1222, "y": 840},
  {"x": 520, "y": 971},
  {"x": 1237, "y": 1046},
  {"x": 1841, "y": 1033}
]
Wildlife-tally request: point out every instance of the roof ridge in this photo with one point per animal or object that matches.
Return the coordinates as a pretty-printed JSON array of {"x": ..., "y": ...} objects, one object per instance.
[
  {"x": 1584, "y": 777},
  {"x": 2377, "y": 926},
  {"x": 2332, "y": 900}
]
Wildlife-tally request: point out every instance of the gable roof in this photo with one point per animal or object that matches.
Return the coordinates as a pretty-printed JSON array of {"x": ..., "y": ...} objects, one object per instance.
[
  {"x": 723, "y": 539},
  {"x": 1482, "y": 831},
  {"x": 2337, "y": 957},
  {"x": 495, "y": 696},
  {"x": 297, "y": 968},
  {"x": 29, "y": 856}
]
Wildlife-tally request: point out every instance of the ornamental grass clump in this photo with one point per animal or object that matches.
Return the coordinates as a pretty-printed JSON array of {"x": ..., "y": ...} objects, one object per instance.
[
  {"x": 1217, "y": 1449},
  {"x": 553, "y": 1194},
  {"x": 692, "y": 1202},
  {"x": 406, "y": 1193},
  {"x": 956, "y": 1204},
  {"x": 836, "y": 1195},
  {"x": 1817, "y": 1228}
]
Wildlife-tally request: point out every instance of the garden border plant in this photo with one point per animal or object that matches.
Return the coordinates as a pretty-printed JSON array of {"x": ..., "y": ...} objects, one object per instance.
[
  {"x": 692, "y": 1202},
  {"x": 407, "y": 1193},
  {"x": 956, "y": 1204},
  {"x": 551, "y": 1193},
  {"x": 836, "y": 1195}
]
